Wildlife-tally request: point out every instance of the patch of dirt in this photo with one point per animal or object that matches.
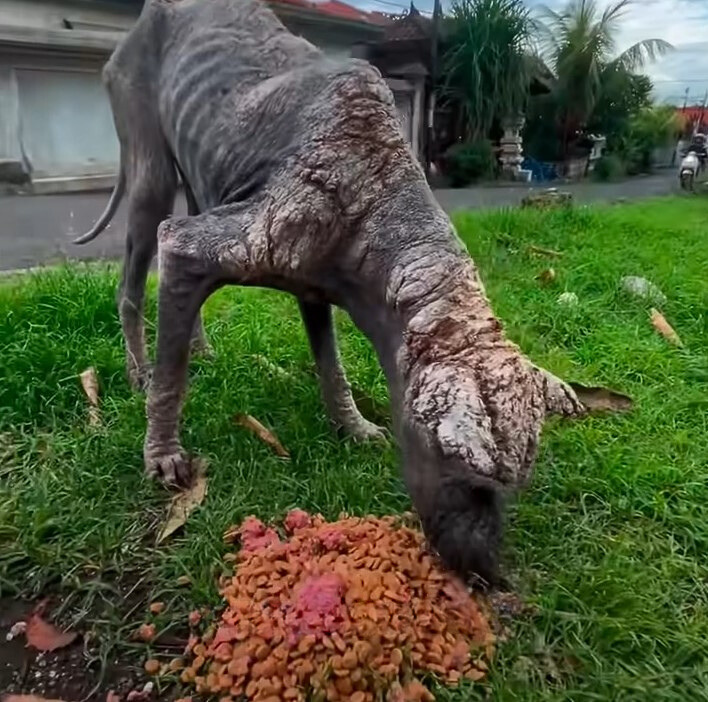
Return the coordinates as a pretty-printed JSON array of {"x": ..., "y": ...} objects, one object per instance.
[{"x": 66, "y": 674}]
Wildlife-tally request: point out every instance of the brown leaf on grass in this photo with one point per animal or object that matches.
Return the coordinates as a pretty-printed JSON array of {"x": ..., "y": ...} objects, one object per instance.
[
  {"x": 265, "y": 435},
  {"x": 184, "y": 503},
  {"x": 544, "y": 252},
  {"x": 547, "y": 276},
  {"x": 664, "y": 328},
  {"x": 89, "y": 382},
  {"x": 45, "y": 636},
  {"x": 598, "y": 399}
]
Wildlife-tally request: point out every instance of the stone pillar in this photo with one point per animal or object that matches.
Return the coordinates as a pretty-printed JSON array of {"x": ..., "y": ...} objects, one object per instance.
[
  {"x": 511, "y": 155},
  {"x": 598, "y": 146}
]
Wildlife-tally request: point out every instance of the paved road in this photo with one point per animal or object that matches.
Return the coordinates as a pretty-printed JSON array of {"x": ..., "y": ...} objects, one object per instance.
[{"x": 36, "y": 230}]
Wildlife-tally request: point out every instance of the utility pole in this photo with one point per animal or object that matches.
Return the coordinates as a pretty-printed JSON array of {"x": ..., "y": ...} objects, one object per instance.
[{"x": 434, "y": 40}]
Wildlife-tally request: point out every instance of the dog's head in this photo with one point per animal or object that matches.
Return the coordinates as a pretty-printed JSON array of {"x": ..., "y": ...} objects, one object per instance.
[{"x": 468, "y": 431}]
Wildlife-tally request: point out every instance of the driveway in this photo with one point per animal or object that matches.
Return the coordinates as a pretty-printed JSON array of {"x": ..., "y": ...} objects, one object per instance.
[{"x": 38, "y": 229}]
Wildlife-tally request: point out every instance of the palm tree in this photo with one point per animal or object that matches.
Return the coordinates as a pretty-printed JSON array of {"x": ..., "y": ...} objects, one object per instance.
[
  {"x": 485, "y": 68},
  {"x": 579, "y": 45}
]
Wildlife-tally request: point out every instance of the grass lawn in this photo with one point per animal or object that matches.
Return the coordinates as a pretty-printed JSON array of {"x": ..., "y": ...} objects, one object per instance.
[{"x": 609, "y": 546}]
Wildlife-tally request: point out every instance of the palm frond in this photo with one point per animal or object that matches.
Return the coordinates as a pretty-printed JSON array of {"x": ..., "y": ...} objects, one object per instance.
[{"x": 638, "y": 55}]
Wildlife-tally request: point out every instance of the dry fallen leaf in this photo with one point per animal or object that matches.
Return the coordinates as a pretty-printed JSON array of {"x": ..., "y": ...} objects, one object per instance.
[
  {"x": 547, "y": 276},
  {"x": 544, "y": 252},
  {"x": 89, "y": 382},
  {"x": 45, "y": 636},
  {"x": 664, "y": 328},
  {"x": 265, "y": 435},
  {"x": 598, "y": 399},
  {"x": 183, "y": 504}
]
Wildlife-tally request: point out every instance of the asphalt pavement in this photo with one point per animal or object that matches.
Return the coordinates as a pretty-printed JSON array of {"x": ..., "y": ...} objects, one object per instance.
[{"x": 38, "y": 229}]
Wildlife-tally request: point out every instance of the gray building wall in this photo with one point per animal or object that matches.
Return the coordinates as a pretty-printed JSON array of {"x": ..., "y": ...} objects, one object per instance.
[{"x": 56, "y": 127}]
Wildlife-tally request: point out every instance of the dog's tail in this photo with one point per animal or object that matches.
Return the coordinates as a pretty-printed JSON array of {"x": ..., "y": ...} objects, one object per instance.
[{"x": 108, "y": 214}]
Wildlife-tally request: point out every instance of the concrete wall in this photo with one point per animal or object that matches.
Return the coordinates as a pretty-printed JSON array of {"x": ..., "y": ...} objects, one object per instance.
[{"x": 55, "y": 123}]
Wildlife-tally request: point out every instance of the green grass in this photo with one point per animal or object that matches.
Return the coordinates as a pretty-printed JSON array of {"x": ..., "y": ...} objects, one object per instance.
[{"x": 610, "y": 543}]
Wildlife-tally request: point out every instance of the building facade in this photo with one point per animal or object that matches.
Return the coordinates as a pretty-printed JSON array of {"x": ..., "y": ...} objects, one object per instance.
[{"x": 56, "y": 128}]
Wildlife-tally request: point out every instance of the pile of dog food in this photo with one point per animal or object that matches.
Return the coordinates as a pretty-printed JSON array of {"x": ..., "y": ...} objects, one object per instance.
[{"x": 349, "y": 610}]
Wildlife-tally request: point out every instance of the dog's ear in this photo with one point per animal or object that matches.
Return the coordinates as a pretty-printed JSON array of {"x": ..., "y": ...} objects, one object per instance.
[{"x": 451, "y": 408}]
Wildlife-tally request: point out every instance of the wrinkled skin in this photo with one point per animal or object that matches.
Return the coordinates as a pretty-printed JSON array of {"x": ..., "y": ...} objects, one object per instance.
[{"x": 299, "y": 179}]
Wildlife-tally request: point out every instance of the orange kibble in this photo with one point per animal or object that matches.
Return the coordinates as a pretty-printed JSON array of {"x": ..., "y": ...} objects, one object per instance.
[
  {"x": 157, "y": 607},
  {"x": 344, "y": 686},
  {"x": 152, "y": 666},
  {"x": 393, "y": 597},
  {"x": 223, "y": 652},
  {"x": 349, "y": 660},
  {"x": 238, "y": 666},
  {"x": 146, "y": 632},
  {"x": 225, "y": 681},
  {"x": 212, "y": 682},
  {"x": 176, "y": 664},
  {"x": 252, "y": 688},
  {"x": 306, "y": 643}
]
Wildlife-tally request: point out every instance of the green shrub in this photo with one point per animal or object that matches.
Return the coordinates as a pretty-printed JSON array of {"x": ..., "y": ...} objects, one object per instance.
[
  {"x": 650, "y": 128},
  {"x": 468, "y": 162},
  {"x": 609, "y": 167}
]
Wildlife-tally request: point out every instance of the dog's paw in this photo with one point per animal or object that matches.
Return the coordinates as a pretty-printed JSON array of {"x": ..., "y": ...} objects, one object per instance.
[
  {"x": 364, "y": 430},
  {"x": 201, "y": 348},
  {"x": 139, "y": 377},
  {"x": 175, "y": 469}
]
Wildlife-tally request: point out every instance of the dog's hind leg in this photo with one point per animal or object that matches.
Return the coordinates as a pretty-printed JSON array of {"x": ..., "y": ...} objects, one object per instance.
[
  {"x": 200, "y": 344},
  {"x": 336, "y": 390},
  {"x": 151, "y": 182},
  {"x": 148, "y": 204}
]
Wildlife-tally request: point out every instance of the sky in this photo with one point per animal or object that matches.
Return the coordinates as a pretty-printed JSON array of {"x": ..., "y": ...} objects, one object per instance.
[{"x": 683, "y": 23}]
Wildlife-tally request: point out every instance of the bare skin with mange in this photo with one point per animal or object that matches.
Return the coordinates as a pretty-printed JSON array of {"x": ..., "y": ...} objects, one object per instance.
[{"x": 299, "y": 178}]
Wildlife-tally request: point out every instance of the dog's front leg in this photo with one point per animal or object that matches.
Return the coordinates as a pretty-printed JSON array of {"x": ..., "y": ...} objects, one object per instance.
[{"x": 196, "y": 256}]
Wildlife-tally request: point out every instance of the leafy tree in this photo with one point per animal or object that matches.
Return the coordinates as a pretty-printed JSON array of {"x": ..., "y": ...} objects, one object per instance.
[
  {"x": 622, "y": 95},
  {"x": 649, "y": 129},
  {"x": 580, "y": 44},
  {"x": 485, "y": 68}
]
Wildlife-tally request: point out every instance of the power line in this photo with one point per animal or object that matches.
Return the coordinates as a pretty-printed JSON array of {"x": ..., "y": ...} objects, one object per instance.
[{"x": 685, "y": 80}]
